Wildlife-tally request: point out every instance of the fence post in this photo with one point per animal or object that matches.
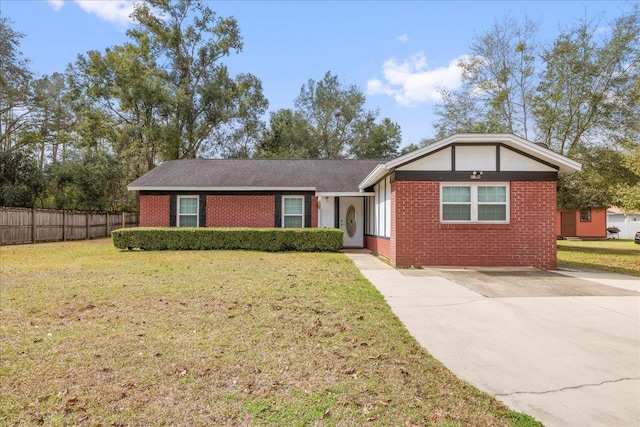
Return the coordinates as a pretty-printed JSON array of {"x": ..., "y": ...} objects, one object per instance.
[
  {"x": 86, "y": 221},
  {"x": 64, "y": 226},
  {"x": 33, "y": 225}
]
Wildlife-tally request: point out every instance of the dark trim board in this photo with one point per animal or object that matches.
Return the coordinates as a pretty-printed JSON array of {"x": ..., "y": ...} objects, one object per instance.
[
  {"x": 465, "y": 176},
  {"x": 377, "y": 237}
]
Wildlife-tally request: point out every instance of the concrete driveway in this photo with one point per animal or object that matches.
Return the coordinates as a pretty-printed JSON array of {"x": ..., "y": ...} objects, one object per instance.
[{"x": 562, "y": 347}]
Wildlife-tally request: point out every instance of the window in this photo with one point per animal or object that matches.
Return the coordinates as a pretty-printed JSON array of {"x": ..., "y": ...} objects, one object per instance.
[
  {"x": 585, "y": 215},
  {"x": 293, "y": 211},
  {"x": 474, "y": 203},
  {"x": 187, "y": 211}
]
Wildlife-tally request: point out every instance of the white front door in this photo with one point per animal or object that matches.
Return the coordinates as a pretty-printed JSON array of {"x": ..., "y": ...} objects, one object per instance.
[{"x": 352, "y": 221}]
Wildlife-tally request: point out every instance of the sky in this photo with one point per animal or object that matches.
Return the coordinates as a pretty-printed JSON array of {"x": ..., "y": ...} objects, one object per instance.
[{"x": 397, "y": 52}]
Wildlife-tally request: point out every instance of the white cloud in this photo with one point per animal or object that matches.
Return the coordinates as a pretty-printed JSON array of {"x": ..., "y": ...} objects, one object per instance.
[
  {"x": 412, "y": 83},
  {"x": 117, "y": 11},
  {"x": 403, "y": 38},
  {"x": 56, "y": 4}
]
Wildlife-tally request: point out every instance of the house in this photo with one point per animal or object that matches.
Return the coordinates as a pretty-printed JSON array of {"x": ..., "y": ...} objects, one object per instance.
[
  {"x": 586, "y": 223},
  {"x": 469, "y": 199},
  {"x": 627, "y": 222}
]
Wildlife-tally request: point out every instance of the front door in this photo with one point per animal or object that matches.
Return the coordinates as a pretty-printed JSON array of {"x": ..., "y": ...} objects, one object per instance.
[
  {"x": 568, "y": 223},
  {"x": 351, "y": 221}
]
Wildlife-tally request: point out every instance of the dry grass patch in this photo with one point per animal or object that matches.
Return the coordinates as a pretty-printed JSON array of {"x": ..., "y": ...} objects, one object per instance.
[{"x": 96, "y": 336}]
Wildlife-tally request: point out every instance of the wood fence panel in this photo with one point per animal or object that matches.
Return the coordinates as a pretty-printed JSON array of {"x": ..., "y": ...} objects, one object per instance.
[
  {"x": 20, "y": 225},
  {"x": 15, "y": 225},
  {"x": 48, "y": 225},
  {"x": 76, "y": 226}
]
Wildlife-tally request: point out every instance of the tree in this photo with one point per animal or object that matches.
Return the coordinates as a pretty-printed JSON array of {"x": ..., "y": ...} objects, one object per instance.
[
  {"x": 376, "y": 141},
  {"x": 52, "y": 120},
  {"x": 189, "y": 40},
  {"x": 21, "y": 180},
  {"x": 627, "y": 192},
  {"x": 240, "y": 136},
  {"x": 329, "y": 122},
  {"x": 588, "y": 90},
  {"x": 122, "y": 99},
  {"x": 88, "y": 181},
  {"x": 332, "y": 111},
  {"x": 498, "y": 83},
  {"x": 288, "y": 136},
  {"x": 15, "y": 93}
]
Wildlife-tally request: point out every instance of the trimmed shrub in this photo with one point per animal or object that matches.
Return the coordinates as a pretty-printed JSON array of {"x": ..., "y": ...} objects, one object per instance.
[{"x": 257, "y": 239}]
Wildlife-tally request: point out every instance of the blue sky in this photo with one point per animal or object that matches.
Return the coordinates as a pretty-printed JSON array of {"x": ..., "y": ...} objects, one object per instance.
[{"x": 397, "y": 52}]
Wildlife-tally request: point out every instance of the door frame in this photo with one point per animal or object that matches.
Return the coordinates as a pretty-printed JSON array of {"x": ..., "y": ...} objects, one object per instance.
[
  {"x": 360, "y": 227},
  {"x": 568, "y": 224}
]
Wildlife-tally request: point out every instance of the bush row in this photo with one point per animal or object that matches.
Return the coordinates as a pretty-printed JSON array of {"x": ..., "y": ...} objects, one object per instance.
[{"x": 259, "y": 239}]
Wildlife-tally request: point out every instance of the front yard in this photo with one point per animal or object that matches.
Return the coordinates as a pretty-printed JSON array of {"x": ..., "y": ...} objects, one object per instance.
[
  {"x": 617, "y": 256},
  {"x": 91, "y": 335}
]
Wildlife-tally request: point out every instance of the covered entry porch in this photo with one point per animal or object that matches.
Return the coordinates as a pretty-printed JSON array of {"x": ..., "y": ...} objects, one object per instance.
[{"x": 345, "y": 211}]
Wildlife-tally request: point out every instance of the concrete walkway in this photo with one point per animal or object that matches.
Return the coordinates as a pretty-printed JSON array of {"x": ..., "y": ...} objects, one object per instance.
[{"x": 566, "y": 360}]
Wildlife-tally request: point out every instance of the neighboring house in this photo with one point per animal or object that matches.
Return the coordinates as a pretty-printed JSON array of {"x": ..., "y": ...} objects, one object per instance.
[
  {"x": 470, "y": 199},
  {"x": 627, "y": 223},
  {"x": 587, "y": 223}
]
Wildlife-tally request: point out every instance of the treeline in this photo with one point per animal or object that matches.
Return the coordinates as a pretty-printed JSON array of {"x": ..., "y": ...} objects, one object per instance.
[{"x": 75, "y": 139}]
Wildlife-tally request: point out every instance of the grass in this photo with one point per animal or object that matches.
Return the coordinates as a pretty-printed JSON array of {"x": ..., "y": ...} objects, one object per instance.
[
  {"x": 91, "y": 335},
  {"x": 617, "y": 256}
]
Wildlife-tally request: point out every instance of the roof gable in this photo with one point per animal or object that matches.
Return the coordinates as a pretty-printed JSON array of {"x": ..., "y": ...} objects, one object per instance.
[{"x": 477, "y": 152}]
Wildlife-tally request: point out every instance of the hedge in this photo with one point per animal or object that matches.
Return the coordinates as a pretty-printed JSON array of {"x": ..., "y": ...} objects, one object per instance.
[{"x": 259, "y": 239}]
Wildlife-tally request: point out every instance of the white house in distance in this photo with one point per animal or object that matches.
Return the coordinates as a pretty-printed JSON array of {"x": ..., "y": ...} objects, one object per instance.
[{"x": 627, "y": 223}]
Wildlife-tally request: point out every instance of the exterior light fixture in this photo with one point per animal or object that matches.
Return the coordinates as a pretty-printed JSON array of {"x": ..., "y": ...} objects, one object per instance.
[{"x": 476, "y": 175}]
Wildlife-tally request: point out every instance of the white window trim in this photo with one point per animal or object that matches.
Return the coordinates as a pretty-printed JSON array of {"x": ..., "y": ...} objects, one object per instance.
[
  {"x": 474, "y": 201},
  {"x": 197, "y": 214},
  {"x": 285, "y": 215}
]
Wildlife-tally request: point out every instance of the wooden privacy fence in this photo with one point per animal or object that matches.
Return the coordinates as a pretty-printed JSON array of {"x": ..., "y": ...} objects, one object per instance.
[{"x": 20, "y": 225}]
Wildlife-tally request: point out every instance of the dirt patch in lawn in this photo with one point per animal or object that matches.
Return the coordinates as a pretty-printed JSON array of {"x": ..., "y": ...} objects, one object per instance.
[{"x": 506, "y": 282}]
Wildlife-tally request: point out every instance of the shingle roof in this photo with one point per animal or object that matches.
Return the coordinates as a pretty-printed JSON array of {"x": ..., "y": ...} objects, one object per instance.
[{"x": 323, "y": 175}]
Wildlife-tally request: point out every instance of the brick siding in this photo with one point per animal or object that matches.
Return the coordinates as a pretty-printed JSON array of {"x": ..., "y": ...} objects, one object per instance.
[
  {"x": 378, "y": 245},
  {"x": 222, "y": 211},
  {"x": 419, "y": 239},
  {"x": 240, "y": 211},
  {"x": 154, "y": 210}
]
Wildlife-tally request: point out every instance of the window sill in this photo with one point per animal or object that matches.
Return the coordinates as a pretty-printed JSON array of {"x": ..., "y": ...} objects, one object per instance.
[{"x": 474, "y": 226}]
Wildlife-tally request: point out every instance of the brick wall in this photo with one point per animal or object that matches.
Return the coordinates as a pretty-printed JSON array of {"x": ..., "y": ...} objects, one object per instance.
[
  {"x": 154, "y": 211},
  {"x": 314, "y": 211},
  {"x": 378, "y": 245},
  {"x": 240, "y": 211},
  {"x": 418, "y": 237}
]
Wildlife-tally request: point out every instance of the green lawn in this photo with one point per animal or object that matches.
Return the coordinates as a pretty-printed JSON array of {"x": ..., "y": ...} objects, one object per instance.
[
  {"x": 618, "y": 256},
  {"x": 91, "y": 335}
]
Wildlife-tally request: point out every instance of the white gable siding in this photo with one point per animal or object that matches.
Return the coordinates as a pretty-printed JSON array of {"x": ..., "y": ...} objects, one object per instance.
[
  {"x": 480, "y": 158},
  {"x": 512, "y": 161},
  {"x": 438, "y": 161}
]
